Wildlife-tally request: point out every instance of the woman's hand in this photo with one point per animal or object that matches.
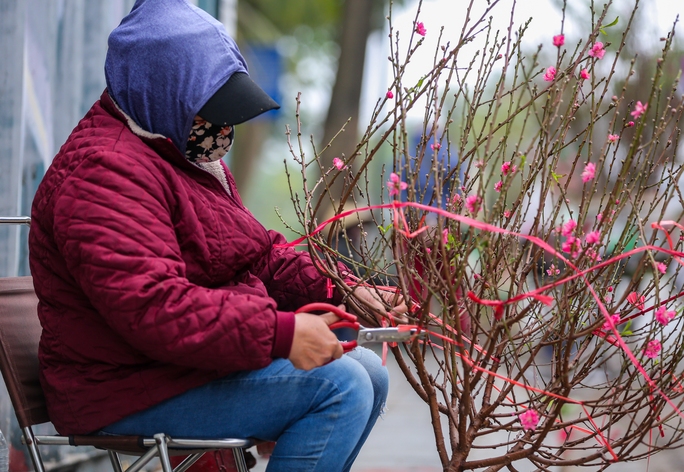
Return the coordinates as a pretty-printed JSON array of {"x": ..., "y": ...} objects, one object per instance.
[
  {"x": 378, "y": 300},
  {"x": 313, "y": 344}
]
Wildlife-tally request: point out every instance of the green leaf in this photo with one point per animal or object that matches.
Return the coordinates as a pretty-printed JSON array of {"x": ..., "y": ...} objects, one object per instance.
[
  {"x": 385, "y": 229},
  {"x": 557, "y": 176},
  {"x": 451, "y": 241},
  {"x": 613, "y": 23}
]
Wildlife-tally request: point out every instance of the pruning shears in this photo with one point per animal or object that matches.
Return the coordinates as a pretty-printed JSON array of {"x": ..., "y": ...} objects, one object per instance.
[{"x": 402, "y": 333}]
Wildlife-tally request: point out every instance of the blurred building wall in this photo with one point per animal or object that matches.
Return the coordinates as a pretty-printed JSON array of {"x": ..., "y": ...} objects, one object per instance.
[
  {"x": 51, "y": 62},
  {"x": 52, "y": 56}
]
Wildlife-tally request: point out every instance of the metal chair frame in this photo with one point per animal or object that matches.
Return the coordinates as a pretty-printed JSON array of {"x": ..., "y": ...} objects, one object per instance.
[{"x": 19, "y": 336}]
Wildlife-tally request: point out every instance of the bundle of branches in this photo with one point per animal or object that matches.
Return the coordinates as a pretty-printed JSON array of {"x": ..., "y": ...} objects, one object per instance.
[{"x": 533, "y": 232}]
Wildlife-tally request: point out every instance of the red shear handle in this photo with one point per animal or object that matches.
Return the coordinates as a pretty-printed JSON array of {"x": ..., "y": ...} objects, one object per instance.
[
  {"x": 347, "y": 345},
  {"x": 347, "y": 320},
  {"x": 339, "y": 312}
]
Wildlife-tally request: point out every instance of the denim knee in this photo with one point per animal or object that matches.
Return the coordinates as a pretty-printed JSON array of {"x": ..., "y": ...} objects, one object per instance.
[
  {"x": 356, "y": 387},
  {"x": 377, "y": 372}
]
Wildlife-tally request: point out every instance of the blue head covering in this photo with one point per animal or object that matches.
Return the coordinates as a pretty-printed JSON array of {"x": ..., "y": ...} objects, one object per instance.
[{"x": 165, "y": 60}]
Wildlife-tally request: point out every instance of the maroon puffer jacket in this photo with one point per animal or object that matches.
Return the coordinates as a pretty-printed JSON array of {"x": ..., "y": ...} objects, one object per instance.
[{"x": 152, "y": 279}]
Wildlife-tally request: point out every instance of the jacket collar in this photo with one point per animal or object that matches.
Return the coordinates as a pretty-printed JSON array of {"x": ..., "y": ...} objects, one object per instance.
[{"x": 160, "y": 144}]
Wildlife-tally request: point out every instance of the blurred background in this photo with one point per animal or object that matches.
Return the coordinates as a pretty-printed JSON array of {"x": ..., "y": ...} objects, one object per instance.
[{"x": 335, "y": 52}]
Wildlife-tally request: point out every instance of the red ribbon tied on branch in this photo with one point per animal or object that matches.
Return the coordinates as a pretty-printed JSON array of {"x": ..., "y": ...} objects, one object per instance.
[{"x": 499, "y": 304}]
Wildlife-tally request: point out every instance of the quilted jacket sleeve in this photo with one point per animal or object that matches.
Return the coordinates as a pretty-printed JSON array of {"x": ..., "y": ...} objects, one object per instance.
[
  {"x": 292, "y": 279},
  {"x": 113, "y": 225}
]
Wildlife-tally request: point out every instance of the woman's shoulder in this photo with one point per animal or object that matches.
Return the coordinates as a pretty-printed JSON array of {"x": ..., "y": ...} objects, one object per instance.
[{"x": 103, "y": 154}]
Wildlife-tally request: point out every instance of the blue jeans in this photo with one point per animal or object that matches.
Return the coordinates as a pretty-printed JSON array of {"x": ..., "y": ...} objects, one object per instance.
[{"x": 319, "y": 418}]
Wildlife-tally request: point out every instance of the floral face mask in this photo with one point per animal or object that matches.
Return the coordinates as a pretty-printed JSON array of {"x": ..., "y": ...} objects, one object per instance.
[{"x": 208, "y": 142}]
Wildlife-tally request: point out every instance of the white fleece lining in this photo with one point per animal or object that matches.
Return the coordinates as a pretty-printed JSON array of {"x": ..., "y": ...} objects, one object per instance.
[{"x": 214, "y": 168}]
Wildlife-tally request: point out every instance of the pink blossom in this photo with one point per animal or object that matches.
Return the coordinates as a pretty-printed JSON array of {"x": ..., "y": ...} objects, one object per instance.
[
  {"x": 550, "y": 74},
  {"x": 597, "y": 50},
  {"x": 652, "y": 349},
  {"x": 584, "y": 74},
  {"x": 529, "y": 419},
  {"x": 593, "y": 237},
  {"x": 568, "y": 228},
  {"x": 613, "y": 137},
  {"x": 599, "y": 217},
  {"x": 553, "y": 270},
  {"x": 420, "y": 28},
  {"x": 636, "y": 300},
  {"x": 571, "y": 246},
  {"x": 593, "y": 255},
  {"x": 507, "y": 168},
  {"x": 473, "y": 203},
  {"x": 662, "y": 268},
  {"x": 559, "y": 40},
  {"x": 615, "y": 319},
  {"x": 589, "y": 172},
  {"x": 663, "y": 316},
  {"x": 389, "y": 94},
  {"x": 498, "y": 185},
  {"x": 445, "y": 235},
  {"x": 630, "y": 124},
  {"x": 435, "y": 147},
  {"x": 639, "y": 109},
  {"x": 339, "y": 163},
  {"x": 507, "y": 213},
  {"x": 395, "y": 185}
]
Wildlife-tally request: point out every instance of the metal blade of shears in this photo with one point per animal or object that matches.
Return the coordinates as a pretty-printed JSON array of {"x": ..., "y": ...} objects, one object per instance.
[{"x": 386, "y": 335}]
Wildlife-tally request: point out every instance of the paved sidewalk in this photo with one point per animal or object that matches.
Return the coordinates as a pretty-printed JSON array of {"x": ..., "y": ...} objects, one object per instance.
[{"x": 402, "y": 440}]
